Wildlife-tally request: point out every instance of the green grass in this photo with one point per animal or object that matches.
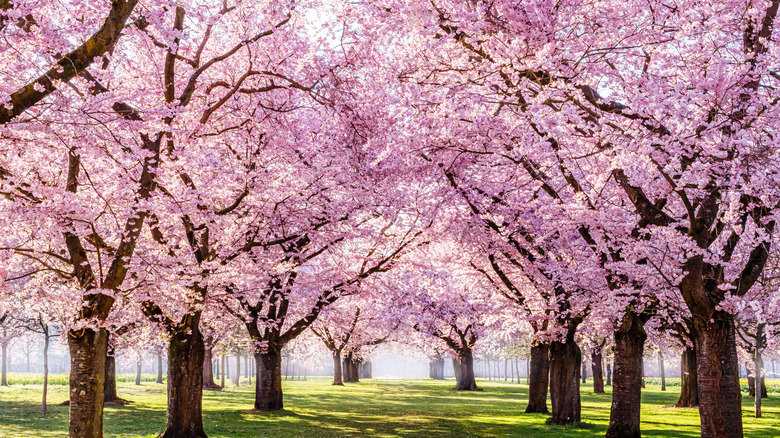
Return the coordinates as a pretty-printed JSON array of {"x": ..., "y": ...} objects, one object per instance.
[{"x": 376, "y": 407}]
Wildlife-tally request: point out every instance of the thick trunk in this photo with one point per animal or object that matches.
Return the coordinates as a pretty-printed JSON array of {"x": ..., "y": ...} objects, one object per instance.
[
  {"x": 467, "y": 381},
  {"x": 661, "y": 369},
  {"x": 268, "y": 385},
  {"x": 350, "y": 370},
  {"x": 598, "y": 371},
  {"x": 437, "y": 369},
  {"x": 338, "y": 378},
  {"x": 88, "y": 349},
  {"x": 626, "y": 384},
  {"x": 208, "y": 370},
  {"x": 456, "y": 369},
  {"x": 185, "y": 383},
  {"x": 539, "y": 379},
  {"x": 689, "y": 381},
  {"x": 565, "y": 361},
  {"x": 720, "y": 399}
]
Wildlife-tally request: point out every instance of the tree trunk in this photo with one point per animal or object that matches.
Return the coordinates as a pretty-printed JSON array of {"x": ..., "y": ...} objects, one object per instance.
[
  {"x": 338, "y": 378},
  {"x": 208, "y": 370},
  {"x": 539, "y": 379},
  {"x": 186, "y": 351},
  {"x": 689, "y": 381},
  {"x": 584, "y": 372},
  {"x": 138, "y": 371},
  {"x": 565, "y": 361},
  {"x": 88, "y": 349},
  {"x": 366, "y": 370},
  {"x": 661, "y": 368},
  {"x": 456, "y": 368},
  {"x": 598, "y": 372},
  {"x": 626, "y": 384},
  {"x": 642, "y": 369},
  {"x": 720, "y": 398},
  {"x": 268, "y": 384},
  {"x": 467, "y": 381},
  {"x": 437, "y": 369},
  {"x": 758, "y": 363},
  {"x": 609, "y": 373},
  {"x": 238, "y": 368},
  {"x": 159, "y": 368},
  {"x": 4, "y": 378},
  {"x": 45, "y": 370},
  {"x": 222, "y": 372},
  {"x": 528, "y": 370},
  {"x": 109, "y": 388}
]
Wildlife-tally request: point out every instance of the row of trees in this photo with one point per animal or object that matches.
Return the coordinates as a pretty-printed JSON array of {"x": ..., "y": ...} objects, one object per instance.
[{"x": 575, "y": 171}]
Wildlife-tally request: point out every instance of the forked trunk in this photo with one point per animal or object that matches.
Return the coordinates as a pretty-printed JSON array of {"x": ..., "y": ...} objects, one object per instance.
[
  {"x": 186, "y": 350},
  {"x": 338, "y": 378},
  {"x": 467, "y": 381},
  {"x": 268, "y": 385},
  {"x": 598, "y": 372},
  {"x": 720, "y": 399},
  {"x": 626, "y": 381},
  {"x": 539, "y": 379},
  {"x": 88, "y": 350},
  {"x": 565, "y": 362},
  {"x": 689, "y": 381}
]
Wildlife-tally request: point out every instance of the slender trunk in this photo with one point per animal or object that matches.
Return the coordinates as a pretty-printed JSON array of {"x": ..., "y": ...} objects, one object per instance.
[
  {"x": 186, "y": 350},
  {"x": 222, "y": 371},
  {"x": 159, "y": 368},
  {"x": 720, "y": 398},
  {"x": 565, "y": 361},
  {"x": 338, "y": 378},
  {"x": 609, "y": 373},
  {"x": 758, "y": 363},
  {"x": 540, "y": 379},
  {"x": 45, "y": 370},
  {"x": 598, "y": 371},
  {"x": 4, "y": 379},
  {"x": 208, "y": 370},
  {"x": 268, "y": 384},
  {"x": 109, "y": 387},
  {"x": 138, "y": 372},
  {"x": 642, "y": 369},
  {"x": 689, "y": 381},
  {"x": 528, "y": 370},
  {"x": 88, "y": 350},
  {"x": 626, "y": 390},
  {"x": 584, "y": 372},
  {"x": 467, "y": 381},
  {"x": 246, "y": 366},
  {"x": 238, "y": 368},
  {"x": 661, "y": 368}
]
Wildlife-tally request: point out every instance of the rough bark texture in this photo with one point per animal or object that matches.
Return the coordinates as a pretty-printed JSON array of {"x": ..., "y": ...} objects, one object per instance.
[
  {"x": 539, "y": 379},
  {"x": 565, "y": 362},
  {"x": 88, "y": 349},
  {"x": 208, "y": 371},
  {"x": 437, "y": 369},
  {"x": 268, "y": 385},
  {"x": 185, "y": 383},
  {"x": 338, "y": 378},
  {"x": 720, "y": 398},
  {"x": 467, "y": 382},
  {"x": 626, "y": 381},
  {"x": 689, "y": 381},
  {"x": 598, "y": 372}
]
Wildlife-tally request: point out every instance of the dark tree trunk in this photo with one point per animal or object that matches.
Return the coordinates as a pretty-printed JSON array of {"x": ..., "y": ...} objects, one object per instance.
[
  {"x": 598, "y": 372},
  {"x": 351, "y": 367},
  {"x": 268, "y": 384},
  {"x": 338, "y": 378},
  {"x": 208, "y": 370},
  {"x": 109, "y": 387},
  {"x": 88, "y": 349},
  {"x": 186, "y": 351},
  {"x": 539, "y": 379},
  {"x": 467, "y": 381},
  {"x": 159, "y": 368},
  {"x": 456, "y": 369},
  {"x": 720, "y": 398},
  {"x": 584, "y": 372},
  {"x": 565, "y": 363},
  {"x": 626, "y": 384},
  {"x": 689, "y": 381}
]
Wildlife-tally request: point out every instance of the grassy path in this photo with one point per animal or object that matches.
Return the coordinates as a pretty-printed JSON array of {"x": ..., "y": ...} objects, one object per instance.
[{"x": 376, "y": 407}]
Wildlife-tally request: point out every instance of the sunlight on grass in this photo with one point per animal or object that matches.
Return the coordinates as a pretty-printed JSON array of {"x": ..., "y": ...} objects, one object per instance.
[{"x": 376, "y": 407}]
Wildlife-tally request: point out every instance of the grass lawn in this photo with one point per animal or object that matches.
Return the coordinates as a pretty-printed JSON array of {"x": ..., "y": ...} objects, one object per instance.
[{"x": 374, "y": 407}]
